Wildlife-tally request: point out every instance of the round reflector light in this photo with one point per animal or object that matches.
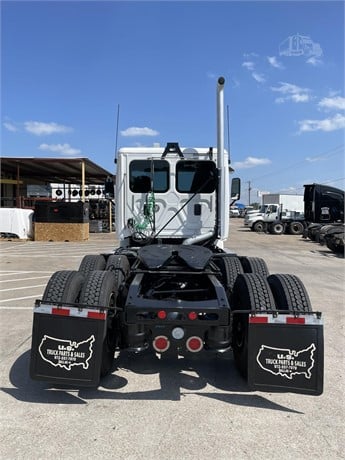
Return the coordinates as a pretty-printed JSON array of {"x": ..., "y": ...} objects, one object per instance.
[
  {"x": 194, "y": 344},
  {"x": 161, "y": 343},
  {"x": 162, "y": 314},
  {"x": 192, "y": 315}
]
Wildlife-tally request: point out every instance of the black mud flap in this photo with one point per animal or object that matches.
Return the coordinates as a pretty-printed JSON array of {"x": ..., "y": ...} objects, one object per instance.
[
  {"x": 67, "y": 344},
  {"x": 285, "y": 353}
]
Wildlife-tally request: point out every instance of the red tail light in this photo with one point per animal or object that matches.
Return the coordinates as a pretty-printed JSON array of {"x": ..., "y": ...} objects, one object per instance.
[
  {"x": 161, "y": 343},
  {"x": 194, "y": 344},
  {"x": 162, "y": 314},
  {"x": 192, "y": 315}
]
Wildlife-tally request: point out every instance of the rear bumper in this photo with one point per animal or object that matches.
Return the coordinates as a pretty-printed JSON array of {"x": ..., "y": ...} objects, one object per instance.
[{"x": 144, "y": 319}]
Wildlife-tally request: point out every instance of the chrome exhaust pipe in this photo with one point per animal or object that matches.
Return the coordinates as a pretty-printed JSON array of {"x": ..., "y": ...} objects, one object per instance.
[
  {"x": 220, "y": 122},
  {"x": 222, "y": 165}
]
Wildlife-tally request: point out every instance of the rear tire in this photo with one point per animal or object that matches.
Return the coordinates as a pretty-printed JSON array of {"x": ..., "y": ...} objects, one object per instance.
[
  {"x": 289, "y": 293},
  {"x": 100, "y": 290},
  {"x": 231, "y": 267},
  {"x": 63, "y": 286},
  {"x": 90, "y": 263},
  {"x": 277, "y": 228},
  {"x": 251, "y": 292},
  {"x": 296, "y": 228},
  {"x": 119, "y": 265},
  {"x": 259, "y": 226},
  {"x": 254, "y": 265}
]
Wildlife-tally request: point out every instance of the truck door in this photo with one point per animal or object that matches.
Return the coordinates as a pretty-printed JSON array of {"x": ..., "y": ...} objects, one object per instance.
[{"x": 272, "y": 213}]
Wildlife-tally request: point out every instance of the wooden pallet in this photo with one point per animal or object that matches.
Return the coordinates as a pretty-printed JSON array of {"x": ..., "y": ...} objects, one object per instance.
[{"x": 61, "y": 232}]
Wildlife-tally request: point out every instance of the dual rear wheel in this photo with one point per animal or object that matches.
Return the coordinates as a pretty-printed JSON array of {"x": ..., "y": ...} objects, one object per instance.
[
  {"x": 255, "y": 292},
  {"x": 231, "y": 266},
  {"x": 249, "y": 285},
  {"x": 96, "y": 284}
]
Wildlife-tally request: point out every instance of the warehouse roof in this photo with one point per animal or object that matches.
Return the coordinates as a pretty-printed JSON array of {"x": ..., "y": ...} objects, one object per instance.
[{"x": 51, "y": 170}]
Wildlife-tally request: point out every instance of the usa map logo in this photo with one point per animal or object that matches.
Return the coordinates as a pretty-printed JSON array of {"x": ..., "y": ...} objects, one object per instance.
[
  {"x": 66, "y": 353},
  {"x": 286, "y": 363}
]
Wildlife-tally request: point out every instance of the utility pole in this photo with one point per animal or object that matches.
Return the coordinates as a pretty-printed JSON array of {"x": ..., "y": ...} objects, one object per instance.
[{"x": 249, "y": 190}]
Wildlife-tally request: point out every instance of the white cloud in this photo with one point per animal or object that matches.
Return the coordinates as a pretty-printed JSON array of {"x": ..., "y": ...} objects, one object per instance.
[
  {"x": 314, "y": 61},
  {"x": 10, "y": 127},
  {"x": 274, "y": 62},
  {"x": 314, "y": 159},
  {"x": 248, "y": 65},
  {"x": 136, "y": 131},
  {"x": 332, "y": 93},
  {"x": 251, "y": 162},
  {"x": 64, "y": 149},
  {"x": 327, "y": 124},
  {"x": 259, "y": 77},
  {"x": 40, "y": 129},
  {"x": 300, "y": 97},
  {"x": 337, "y": 103},
  {"x": 248, "y": 55},
  {"x": 279, "y": 100},
  {"x": 291, "y": 92},
  {"x": 288, "y": 88}
]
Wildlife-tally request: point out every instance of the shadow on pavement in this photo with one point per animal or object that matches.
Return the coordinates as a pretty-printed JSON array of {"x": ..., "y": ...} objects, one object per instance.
[{"x": 176, "y": 382}]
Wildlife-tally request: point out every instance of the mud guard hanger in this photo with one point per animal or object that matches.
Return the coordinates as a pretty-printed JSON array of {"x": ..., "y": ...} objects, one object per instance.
[{"x": 172, "y": 147}]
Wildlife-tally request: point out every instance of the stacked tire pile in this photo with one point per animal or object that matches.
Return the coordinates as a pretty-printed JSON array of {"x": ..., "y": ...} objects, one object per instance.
[{"x": 330, "y": 235}]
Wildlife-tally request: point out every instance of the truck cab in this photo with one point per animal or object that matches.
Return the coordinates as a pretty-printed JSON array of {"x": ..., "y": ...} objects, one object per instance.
[{"x": 169, "y": 195}]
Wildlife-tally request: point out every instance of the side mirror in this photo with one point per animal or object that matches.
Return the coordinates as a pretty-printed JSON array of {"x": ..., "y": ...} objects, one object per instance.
[{"x": 235, "y": 188}]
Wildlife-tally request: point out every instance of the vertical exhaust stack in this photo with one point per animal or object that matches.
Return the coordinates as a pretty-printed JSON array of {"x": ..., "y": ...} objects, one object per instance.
[{"x": 222, "y": 164}]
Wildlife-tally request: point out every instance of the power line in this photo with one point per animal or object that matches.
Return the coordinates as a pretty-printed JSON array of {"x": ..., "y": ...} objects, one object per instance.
[
  {"x": 321, "y": 182},
  {"x": 333, "y": 180},
  {"x": 324, "y": 155}
]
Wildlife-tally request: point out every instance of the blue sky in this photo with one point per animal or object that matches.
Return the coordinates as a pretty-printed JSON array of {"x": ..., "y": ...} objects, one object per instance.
[{"x": 66, "y": 66}]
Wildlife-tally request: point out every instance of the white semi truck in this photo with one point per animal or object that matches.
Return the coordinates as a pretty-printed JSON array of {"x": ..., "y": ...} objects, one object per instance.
[
  {"x": 279, "y": 213},
  {"x": 171, "y": 288}
]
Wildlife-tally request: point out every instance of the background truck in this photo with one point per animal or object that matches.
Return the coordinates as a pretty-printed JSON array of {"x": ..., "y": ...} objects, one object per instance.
[
  {"x": 170, "y": 287},
  {"x": 279, "y": 213},
  {"x": 324, "y": 212}
]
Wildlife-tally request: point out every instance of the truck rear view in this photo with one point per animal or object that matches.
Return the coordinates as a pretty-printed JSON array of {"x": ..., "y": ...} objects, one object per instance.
[{"x": 171, "y": 288}]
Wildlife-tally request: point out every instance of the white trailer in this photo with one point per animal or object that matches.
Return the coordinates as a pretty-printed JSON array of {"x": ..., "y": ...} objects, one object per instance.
[{"x": 286, "y": 202}]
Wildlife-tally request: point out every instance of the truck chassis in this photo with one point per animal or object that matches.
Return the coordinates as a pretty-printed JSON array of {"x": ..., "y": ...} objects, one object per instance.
[{"x": 181, "y": 300}]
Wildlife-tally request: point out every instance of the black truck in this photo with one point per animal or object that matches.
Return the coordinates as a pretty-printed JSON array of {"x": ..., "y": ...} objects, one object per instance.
[{"x": 324, "y": 212}]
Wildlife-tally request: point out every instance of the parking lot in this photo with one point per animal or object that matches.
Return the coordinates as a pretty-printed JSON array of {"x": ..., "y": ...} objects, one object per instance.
[{"x": 149, "y": 408}]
